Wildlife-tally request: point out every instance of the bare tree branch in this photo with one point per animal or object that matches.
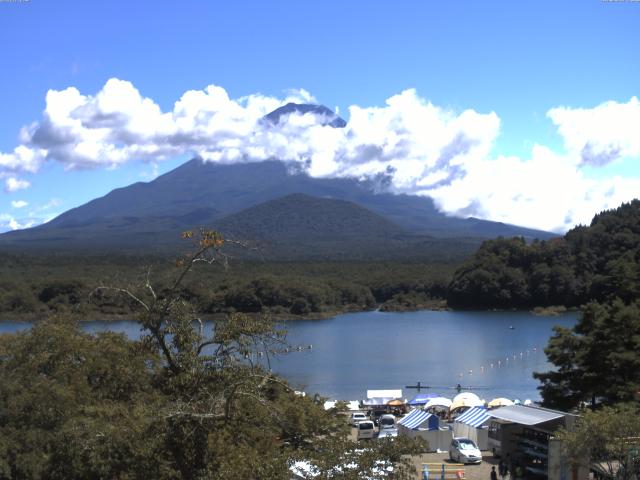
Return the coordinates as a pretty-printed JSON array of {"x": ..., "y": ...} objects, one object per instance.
[{"x": 121, "y": 290}]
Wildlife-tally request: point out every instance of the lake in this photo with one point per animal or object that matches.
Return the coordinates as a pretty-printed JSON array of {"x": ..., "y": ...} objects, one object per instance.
[{"x": 355, "y": 352}]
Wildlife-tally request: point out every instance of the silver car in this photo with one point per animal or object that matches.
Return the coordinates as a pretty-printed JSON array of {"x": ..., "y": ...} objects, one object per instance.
[{"x": 464, "y": 450}]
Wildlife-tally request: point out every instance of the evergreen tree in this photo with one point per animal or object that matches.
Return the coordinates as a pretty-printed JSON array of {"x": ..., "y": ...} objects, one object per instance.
[{"x": 597, "y": 361}]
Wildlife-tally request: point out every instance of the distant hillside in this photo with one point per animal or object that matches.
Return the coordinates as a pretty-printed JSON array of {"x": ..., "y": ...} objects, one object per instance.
[
  {"x": 300, "y": 217},
  {"x": 597, "y": 262},
  {"x": 299, "y": 226},
  {"x": 149, "y": 215}
]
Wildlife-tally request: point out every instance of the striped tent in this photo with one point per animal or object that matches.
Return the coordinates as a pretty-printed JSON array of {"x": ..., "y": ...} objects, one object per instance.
[
  {"x": 418, "y": 418},
  {"x": 471, "y": 424},
  {"x": 474, "y": 417}
]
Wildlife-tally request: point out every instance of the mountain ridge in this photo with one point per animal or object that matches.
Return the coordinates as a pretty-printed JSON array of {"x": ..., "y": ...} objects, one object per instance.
[{"x": 204, "y": 193}]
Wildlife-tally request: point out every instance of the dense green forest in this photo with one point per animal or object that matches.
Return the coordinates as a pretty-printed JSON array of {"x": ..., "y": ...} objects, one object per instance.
[
  {"x": 34, "y": 286},
  {"x": 596, "y": 262},
  {"x": 597, "y": 268}
]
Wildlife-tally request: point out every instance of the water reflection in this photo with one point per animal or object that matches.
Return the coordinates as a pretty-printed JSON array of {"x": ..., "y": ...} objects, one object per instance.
[{"x": 378, "y": 350}]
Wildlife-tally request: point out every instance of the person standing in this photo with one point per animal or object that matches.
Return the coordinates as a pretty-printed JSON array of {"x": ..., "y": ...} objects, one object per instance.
[
  {"x": 494, "y": 475},
  {"x": 502, "y": 469}
]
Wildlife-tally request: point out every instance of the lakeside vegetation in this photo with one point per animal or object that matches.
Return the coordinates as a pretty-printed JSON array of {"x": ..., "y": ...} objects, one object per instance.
[
  {"x": 76, "y": 405},
  {"x": 33, "y": 287},
  {"x": 178, "y": 403},
  {"x": 597, "y": 262}
]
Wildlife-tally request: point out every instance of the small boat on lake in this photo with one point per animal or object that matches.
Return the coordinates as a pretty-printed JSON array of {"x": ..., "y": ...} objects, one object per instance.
[{"x": 418, "y": 386}]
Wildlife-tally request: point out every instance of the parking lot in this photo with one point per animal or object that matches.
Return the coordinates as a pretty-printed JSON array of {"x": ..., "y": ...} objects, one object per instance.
[{"x": 471, "y": 472}]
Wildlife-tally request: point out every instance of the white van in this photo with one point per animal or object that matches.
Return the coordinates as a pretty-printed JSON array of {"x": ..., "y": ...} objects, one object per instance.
[{"x": 366, "y": 429}]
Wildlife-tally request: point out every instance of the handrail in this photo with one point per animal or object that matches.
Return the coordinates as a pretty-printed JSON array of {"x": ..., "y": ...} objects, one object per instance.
[{"x": 443, "y": 471}]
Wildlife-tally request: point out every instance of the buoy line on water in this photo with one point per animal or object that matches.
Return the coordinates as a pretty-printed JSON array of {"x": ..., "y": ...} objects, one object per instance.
[{"x": 502, "y": 362}]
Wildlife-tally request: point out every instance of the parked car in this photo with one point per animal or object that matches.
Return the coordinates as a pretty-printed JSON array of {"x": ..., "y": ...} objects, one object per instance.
[
  {"x": 366, "y": 429},
  {"x": 387, "y": 421},
  {"x": 464, "y": 450},
  {"x": 388, "y": 433},
  {"x": 357, "y": 417}
]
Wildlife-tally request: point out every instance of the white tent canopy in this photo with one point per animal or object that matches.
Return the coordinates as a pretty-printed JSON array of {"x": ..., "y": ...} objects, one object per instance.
[
  {"x": 470, "y": 397},
  {"x": 500, "y": 402},
  {"x": 438, "y": 402},
  {"x": 384, "y": 393},
  {"x": 377, "y": 401},
  {"x": 466, "y": 399}
]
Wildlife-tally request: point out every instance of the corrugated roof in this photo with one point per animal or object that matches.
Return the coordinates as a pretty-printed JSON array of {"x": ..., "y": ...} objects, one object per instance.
[
  {"x": 525, "y": 415},
  {"x": 475, "y": 417}
]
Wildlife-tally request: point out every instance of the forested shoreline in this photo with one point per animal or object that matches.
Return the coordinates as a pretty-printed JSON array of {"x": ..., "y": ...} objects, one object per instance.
[
  {"x": 33, "y": 287},
  {"x": 596, "y": 262}
]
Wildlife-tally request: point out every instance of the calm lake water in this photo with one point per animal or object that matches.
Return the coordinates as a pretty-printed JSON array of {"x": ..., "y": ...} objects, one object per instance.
[{"x": 382, "y": 350}]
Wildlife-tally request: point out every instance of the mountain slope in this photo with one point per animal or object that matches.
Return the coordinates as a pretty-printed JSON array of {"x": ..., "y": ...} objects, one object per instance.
[
  {"x": 299, "y": 217},
  {"x": 151, "y": 214},
  {"x": 298, "y": 226},
  {"x": 197, "y": 193},
  {"x": 226, "y": 189}
]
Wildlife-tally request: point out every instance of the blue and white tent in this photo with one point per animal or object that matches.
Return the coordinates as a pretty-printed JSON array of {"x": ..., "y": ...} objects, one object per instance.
[
  {"x": 422, "y": 398},
  {"x": 473, "y": 424},
  {"x": 420, "y": 419},
  {"x": 474, "y": 417}
]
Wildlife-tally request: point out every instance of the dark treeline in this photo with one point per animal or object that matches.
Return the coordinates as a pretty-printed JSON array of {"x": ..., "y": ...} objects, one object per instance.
[
  {"x": 36, "y": 286},
  {"x": 596, "y": 262}
]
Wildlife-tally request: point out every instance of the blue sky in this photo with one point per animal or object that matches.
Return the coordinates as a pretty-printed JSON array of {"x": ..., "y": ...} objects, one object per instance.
[{"x": 515, "y": 60}]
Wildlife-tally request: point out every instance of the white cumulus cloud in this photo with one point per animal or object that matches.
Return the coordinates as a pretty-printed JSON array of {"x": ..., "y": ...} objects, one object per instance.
[
  {"x": 408, "y": 145},
  {"x": 601, "y": 134},
  {"x": 8, "y": 222},
  {"x": 19, "y": 203},
  {"x": 546, "y": 191},
  {"x": 13, "y": 184}
]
